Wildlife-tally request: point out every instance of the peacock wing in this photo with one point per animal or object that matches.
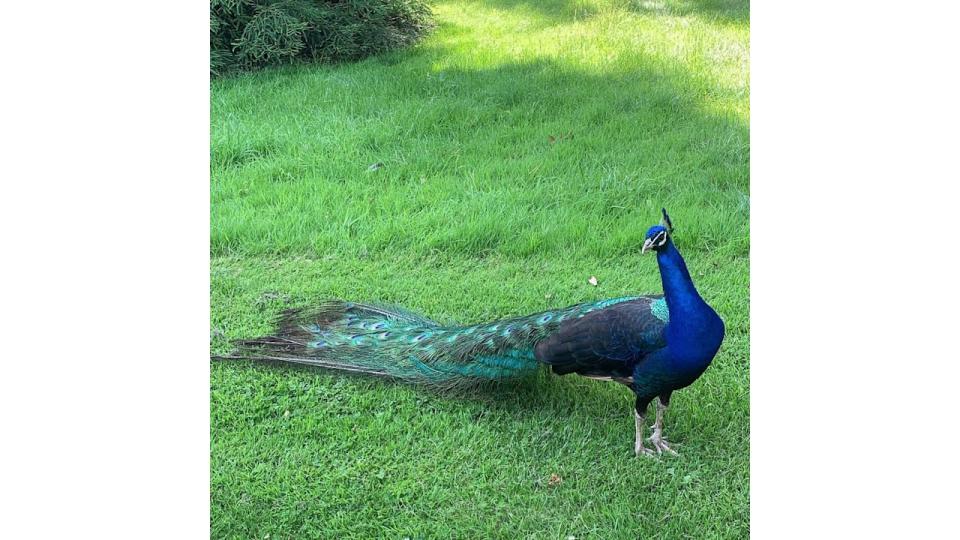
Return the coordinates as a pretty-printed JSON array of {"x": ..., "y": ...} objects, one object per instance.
[{"x": 607, "y": 342}]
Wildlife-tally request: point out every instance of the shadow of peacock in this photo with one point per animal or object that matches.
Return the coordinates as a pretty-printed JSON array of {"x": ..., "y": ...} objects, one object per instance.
[{"x": 653, "y": 344}]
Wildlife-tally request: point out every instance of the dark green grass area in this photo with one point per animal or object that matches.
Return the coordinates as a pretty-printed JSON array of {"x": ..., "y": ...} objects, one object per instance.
[{"x": 524, "y": 147}]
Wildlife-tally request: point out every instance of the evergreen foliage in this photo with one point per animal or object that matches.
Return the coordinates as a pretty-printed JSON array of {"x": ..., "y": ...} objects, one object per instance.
[{"x": 250, "y": 34}]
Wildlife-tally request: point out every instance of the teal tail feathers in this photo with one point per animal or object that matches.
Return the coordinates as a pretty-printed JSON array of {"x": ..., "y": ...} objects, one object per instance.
[{"x": 392, "y": 342}]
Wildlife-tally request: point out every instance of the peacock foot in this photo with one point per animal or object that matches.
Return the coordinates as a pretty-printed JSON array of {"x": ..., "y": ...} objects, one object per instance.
[
  {"x": 640, "y": 450},
  {"x": 660, "y": 444}
]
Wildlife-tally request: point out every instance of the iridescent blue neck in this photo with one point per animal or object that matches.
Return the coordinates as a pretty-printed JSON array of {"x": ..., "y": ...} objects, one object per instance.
[
  {"x": 678, "y": 288},
  {"x": 693, "y": 333},
  {"x": 695, "y": 330}
]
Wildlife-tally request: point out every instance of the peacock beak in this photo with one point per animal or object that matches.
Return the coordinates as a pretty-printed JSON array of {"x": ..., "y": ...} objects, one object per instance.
[{"x": 647, "y": 244}]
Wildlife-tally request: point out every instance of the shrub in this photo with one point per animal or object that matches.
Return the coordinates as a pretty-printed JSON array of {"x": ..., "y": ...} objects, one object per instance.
[{"x": 249, "y": 34}]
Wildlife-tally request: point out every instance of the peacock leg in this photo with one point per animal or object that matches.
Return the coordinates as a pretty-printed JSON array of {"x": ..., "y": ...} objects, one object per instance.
[
  {"x": 640, "y": 418},
  {"x": 657, "y": 439},
  {"x": 638, "y": 447}
]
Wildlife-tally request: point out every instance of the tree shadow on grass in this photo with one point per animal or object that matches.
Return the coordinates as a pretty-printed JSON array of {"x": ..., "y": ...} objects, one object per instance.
[
  {"x": 552, "y": 11},
  {"x": 737, "y": 11},
  {"x": 614, "y": 143},
  {"x": 556, "y": 11}
]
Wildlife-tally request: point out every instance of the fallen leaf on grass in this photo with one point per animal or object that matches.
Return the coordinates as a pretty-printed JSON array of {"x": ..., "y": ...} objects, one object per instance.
[
  {"x": 271, "y": 295},
  {"x": 555, "y": 480}
]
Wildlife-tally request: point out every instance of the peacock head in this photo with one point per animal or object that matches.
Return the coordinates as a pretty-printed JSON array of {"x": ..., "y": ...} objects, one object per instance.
[{"x": 658, "y": 236}]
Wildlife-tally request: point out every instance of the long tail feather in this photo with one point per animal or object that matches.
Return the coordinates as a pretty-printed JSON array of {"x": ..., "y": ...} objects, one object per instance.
[{"x": 392, "y": 342}]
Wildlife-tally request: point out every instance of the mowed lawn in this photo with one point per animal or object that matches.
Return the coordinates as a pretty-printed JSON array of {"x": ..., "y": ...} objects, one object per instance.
[{"x": 523, "y": 147}]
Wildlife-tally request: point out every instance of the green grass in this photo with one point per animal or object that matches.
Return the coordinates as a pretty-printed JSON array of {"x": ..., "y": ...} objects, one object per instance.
[{"x": 526, "y": 146}]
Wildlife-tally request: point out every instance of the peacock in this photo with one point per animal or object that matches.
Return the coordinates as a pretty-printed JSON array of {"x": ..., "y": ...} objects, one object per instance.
[{"x": 653, "y": 344}]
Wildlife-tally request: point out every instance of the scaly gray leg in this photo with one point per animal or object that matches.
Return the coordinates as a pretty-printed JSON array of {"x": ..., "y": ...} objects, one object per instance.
[
  {"x": 640, "y": 415},
  {"x": 638, "y": 447},
  {"x": 657, "y": 439}
]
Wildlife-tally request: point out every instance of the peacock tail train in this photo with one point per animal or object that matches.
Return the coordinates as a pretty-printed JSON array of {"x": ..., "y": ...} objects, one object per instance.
[{"x": 392, "y": 342}]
